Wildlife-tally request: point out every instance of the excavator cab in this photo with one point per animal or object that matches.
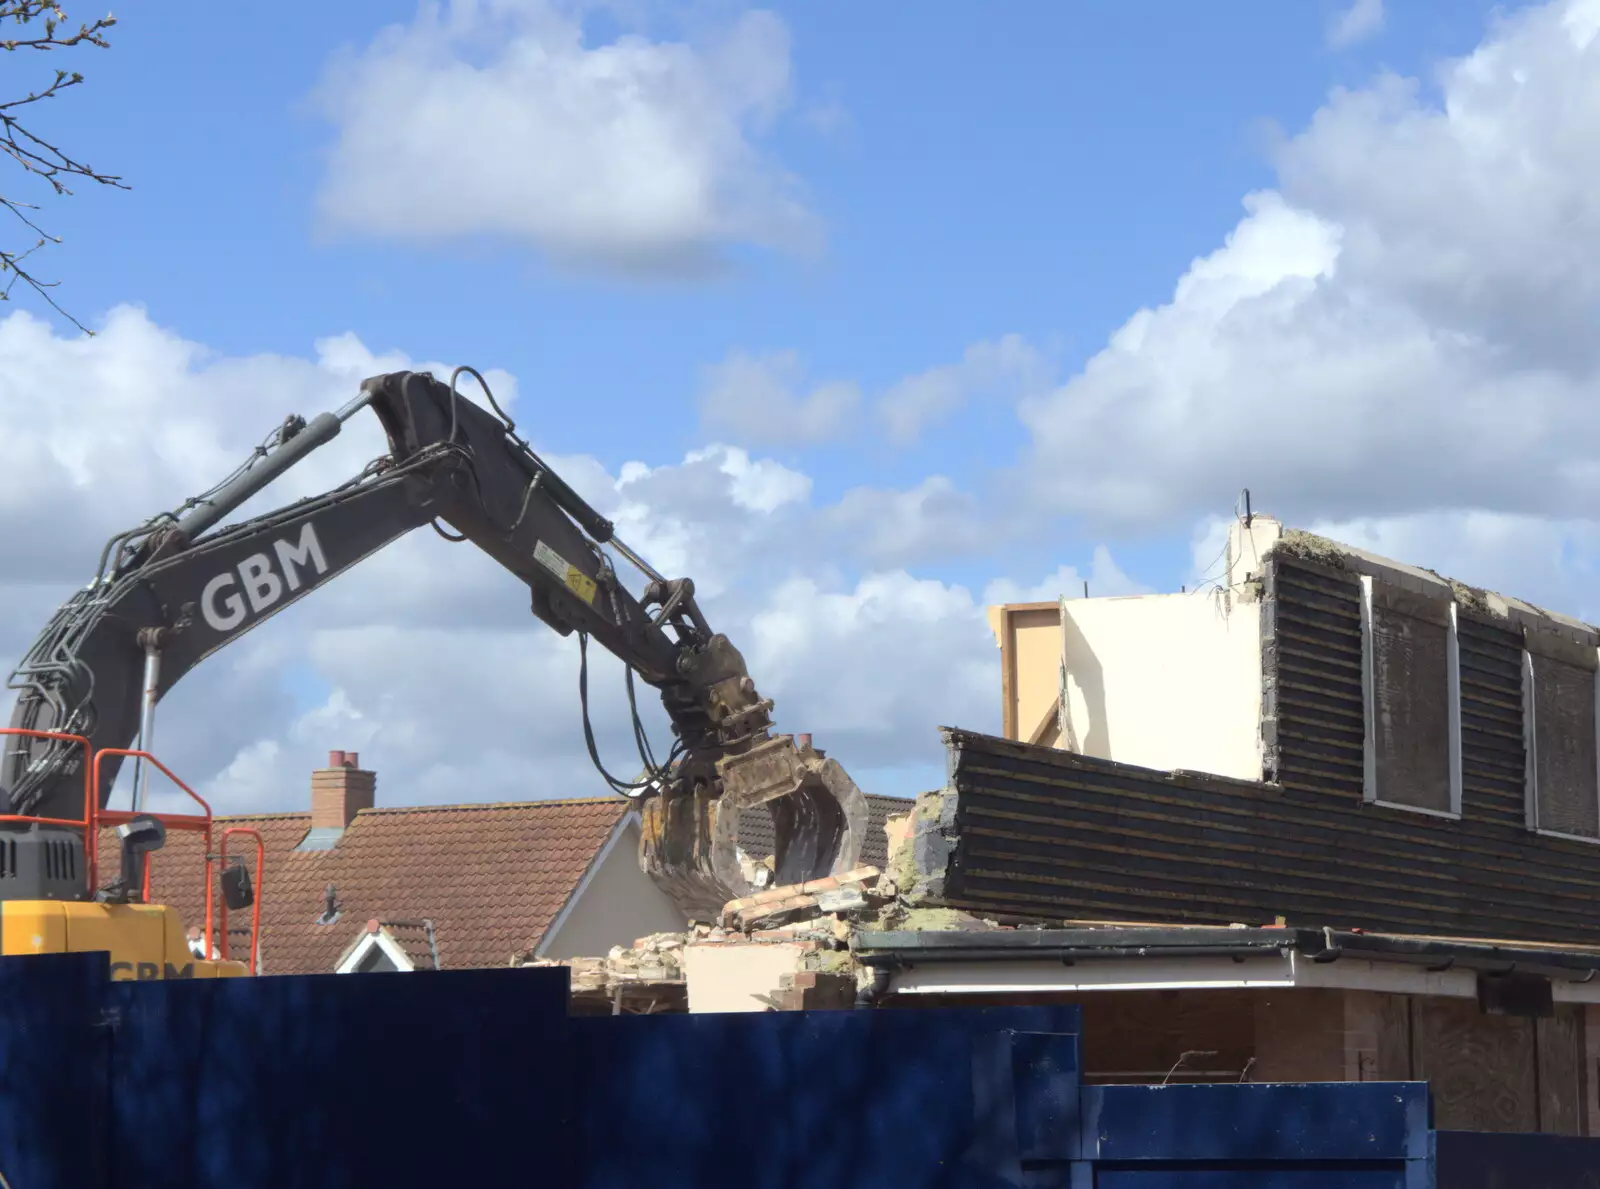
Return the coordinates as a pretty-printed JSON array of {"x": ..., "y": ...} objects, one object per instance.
[{"x": 53, "y": 900}]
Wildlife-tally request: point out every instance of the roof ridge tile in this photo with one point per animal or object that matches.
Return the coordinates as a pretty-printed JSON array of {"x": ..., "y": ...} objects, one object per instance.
[{"x": 479, "y": 806}]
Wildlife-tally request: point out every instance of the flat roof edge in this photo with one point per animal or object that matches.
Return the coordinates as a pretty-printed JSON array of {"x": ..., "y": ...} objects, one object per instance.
[{"x": 1321, "y": 945}]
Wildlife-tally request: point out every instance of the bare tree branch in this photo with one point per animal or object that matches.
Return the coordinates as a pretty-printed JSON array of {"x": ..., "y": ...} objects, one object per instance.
[{"x": 46, "y": 21}]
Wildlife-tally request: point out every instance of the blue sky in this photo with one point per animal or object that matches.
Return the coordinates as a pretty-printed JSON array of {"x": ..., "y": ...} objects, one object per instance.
[
  {"x": 1386, "y": 340},
  {"x": 1042, "y": 175}
]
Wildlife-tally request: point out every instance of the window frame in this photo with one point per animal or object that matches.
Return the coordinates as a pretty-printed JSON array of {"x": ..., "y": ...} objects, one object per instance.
[
  {"x": 1530, "y": 741},
  {"x": 1371, "y": 794}
]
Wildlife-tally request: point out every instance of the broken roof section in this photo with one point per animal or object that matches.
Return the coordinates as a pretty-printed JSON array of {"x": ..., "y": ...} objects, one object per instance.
[
  {"x": 1337, "y": 555},
  {"x": 1037, "y": 833}
]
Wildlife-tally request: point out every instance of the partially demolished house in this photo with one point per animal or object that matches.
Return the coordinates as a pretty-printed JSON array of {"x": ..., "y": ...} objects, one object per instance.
[
  {"x": 1332, "y": 817},
  {"x": 1429, "y": 751}
]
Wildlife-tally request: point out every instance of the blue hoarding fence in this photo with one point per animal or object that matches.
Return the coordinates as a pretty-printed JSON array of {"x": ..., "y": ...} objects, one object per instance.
[
  {"x": 1486, "y": 1160},
  {"x": 481, "y": 1078}
]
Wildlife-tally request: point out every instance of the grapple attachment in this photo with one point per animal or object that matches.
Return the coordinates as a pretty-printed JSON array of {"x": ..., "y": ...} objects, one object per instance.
[{"x": 782, "y": 798}]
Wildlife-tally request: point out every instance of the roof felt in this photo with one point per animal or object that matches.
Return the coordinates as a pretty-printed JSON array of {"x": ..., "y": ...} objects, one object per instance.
[{"x": 490, "y": 877}]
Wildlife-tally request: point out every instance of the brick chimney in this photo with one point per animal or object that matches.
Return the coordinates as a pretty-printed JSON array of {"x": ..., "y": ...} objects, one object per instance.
[{"x": 340, "y": 790}]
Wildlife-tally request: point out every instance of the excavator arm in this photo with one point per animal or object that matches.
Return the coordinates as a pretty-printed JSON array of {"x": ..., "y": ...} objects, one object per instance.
[{"x": 178, "y": 588}]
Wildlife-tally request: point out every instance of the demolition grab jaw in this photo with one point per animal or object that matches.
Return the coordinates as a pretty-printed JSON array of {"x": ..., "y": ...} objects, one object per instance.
[
  {"x": 117, "y": 646},
  {"x": 695, "y": 833}
]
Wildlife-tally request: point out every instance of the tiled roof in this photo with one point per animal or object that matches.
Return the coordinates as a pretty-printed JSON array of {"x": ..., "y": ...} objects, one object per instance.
[
  {"x": 490, "y": 877},
  {"x": 757, "y": 839},
  {"x": 413, "y": 937}
]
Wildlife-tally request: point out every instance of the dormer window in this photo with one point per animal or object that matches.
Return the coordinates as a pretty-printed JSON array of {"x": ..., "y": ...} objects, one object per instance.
[
  {"x": 1412, "y": 695},
  {"x": 1559, "y": 712}
]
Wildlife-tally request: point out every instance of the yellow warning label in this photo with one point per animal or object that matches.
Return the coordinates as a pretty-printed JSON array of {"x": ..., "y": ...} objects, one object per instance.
[
  {"x": 580, "y": 584},
  {"x": 573, "y": 578}
]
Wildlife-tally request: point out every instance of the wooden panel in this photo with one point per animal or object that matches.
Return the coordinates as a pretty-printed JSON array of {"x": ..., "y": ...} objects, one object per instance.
[
  {"x": 1493, "y": 765},
  {"x": 1041, "y": 832},
  {"x": 1299, "y": 1036},
  {"x": 1394, "y": 1039},
  {"x": 1312, "y": 720},
  {"x": 1480, "y": 1068},
  {"x": 1411, "y": 709},
  {"x": 1560, "y": 1047},
  {"x": 1133, "y": 1037},
  {"x": 1181, "y": 1036},
  {"x": 1313, "y": 726},
  {"x": 1591, "y": 1069},
  {"x": 1564, "y": 747}
]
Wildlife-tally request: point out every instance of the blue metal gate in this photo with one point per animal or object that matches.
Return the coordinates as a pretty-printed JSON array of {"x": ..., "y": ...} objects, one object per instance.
[{"x": 480, "y": 1078}]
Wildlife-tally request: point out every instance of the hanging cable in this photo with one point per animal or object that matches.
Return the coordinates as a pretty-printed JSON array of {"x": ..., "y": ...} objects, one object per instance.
[
  {"x": 607, "y": 577},
  {"x": 654, "y": 774},
  {"x": 510, "y": 428},
  {"x": 641, "y": 738},
  {"x": 632, "y": 789}
]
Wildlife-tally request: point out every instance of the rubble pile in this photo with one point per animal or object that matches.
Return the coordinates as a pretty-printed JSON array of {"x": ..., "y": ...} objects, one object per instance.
[
  {"x": 644, "y": 977},
  {"x": 837, "y": 895},
  {"x": 809, "y": 927}
]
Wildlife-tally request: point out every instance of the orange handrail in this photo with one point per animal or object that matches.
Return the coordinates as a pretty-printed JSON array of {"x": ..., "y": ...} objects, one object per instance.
[
  {"x": 255, "y": 906},
  {"x": 185, "y": 821},
  {"x": 95, "y": 817}
]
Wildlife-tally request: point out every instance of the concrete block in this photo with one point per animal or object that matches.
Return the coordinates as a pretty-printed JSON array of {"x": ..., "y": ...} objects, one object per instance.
[
  {"x": 842, "y": 900},
  {"x": 737, "y": 978}
]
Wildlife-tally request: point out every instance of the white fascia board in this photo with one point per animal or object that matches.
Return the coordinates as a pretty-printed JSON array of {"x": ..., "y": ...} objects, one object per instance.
[
  {"x": 1034, "y": 976},
  {"x": 1136, "y": 974},
  {"x": 381, "y": 939}
]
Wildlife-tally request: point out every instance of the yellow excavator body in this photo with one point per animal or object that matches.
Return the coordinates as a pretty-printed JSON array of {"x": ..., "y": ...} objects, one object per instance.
[{"x": 144, "y": 942}]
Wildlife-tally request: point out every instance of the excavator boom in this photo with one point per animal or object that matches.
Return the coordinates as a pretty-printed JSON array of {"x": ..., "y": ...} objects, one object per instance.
[{"x": 178, "y": 588}]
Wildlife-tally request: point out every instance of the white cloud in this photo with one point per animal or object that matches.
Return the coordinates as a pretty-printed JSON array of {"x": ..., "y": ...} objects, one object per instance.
[
  {"x": 1363, "y": 19},
  {"x": 1550, "y": 562},
  {"x": 933, "y": 520},
  {"x": 500, "y": 119},
  {"x": 1402, "y": 326},
  {"x": 760, "y": 484},
  {"x": 1105, "y": 578},
  {"x": 885, "y": 637},
  {"x": 757, "y": 400},
  {"x": 764, "y": 399},
  {"x": 828, "y": 118},
  {"x": 1007, "y": 365}
]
